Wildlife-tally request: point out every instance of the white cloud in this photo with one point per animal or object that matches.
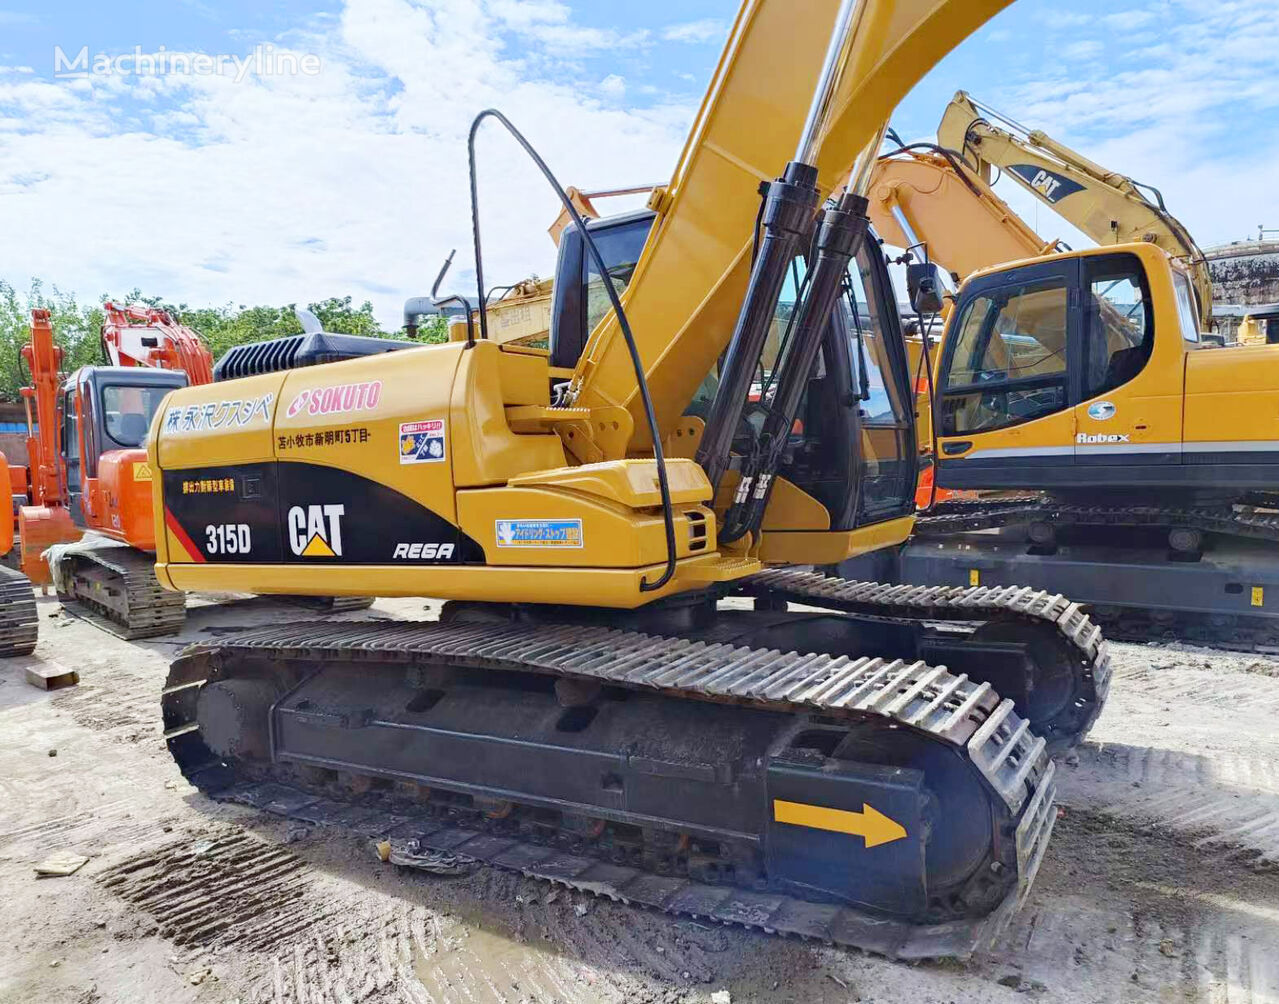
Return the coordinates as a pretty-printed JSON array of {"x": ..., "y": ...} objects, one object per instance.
[
  {"x": 613, "y": 86},
  {"x": 284, "y": 189},
  {"x": 1189, "y": 109},
  {"x": 1088, "y": 49},
  {"x": 1057, "y": 18},
  {"x": 1129, "y": 20},
  {"x": 705, "y": 30},
  {"x": 550, "y": 22}
]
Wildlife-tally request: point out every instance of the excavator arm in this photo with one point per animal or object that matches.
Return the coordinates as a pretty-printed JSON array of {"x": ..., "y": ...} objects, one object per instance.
[
  {"x": 1109, "y": 207},
  {"x": 140, "y": 335}
]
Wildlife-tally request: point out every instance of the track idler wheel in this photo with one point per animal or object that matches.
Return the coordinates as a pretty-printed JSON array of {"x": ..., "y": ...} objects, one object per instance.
[
  {"x": 1057, "y": 703},
  {"x": 234, "y": 717},
  {"x": 1186, "y": 543}
]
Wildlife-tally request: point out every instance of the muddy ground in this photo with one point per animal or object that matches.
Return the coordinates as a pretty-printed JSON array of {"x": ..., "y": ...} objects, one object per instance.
[{"x": 1161, "y": 883}]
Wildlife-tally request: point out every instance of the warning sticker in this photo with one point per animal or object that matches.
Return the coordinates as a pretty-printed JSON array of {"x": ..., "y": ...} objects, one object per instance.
[
  {"x": 141, "y": 470},
  {"x": 422, "y": 442},
  {"x": 539, "y": 533}
]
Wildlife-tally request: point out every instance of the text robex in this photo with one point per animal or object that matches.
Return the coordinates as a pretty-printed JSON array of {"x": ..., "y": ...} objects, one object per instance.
[{"x": 1084, "y": 437}]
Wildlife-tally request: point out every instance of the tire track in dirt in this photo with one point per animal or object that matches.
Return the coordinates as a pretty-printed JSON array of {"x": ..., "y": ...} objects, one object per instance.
[
  {"x": 1134, "y": 913},
  {"x": 1226, "y": 802},
  {"x": 302, "y": 936}
]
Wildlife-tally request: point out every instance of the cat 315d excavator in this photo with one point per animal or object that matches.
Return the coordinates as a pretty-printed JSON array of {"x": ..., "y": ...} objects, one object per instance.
[{"x": 585, "y": 711}]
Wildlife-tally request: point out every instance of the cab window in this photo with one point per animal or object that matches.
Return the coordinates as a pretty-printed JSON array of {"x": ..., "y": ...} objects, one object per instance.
[
  {"x": 1009, "y": 361},
  {"x": 71, "y": 441},
  {"x": 1187, "y": 314},
  {"x": 1118, "y": 323},
  {"x": 887, "y": 468},
  {"x": 620, "y": 248},
  {"x": 127, "y": 412}
]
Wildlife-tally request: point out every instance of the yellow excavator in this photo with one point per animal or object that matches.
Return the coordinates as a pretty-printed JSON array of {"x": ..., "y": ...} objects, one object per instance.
[
  {"x": 724, "y": 402},
  {"x": 1149, "y": 460}
]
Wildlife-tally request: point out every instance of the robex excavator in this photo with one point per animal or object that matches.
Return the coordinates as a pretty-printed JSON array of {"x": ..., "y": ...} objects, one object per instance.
[
  {"x": 1134, "y": 456},
  {"x": 621, "y": 693}
]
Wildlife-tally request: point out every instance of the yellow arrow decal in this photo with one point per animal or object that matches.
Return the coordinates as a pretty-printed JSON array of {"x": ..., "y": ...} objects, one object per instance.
[{"x": 869, "y": 823}]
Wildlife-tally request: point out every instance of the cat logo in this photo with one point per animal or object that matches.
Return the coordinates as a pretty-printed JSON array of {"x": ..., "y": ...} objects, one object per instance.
[
  {"x": 315, "y": 531},
  {"x": 1051, "y": 186},
  {"x": 1046, "y": 183}
]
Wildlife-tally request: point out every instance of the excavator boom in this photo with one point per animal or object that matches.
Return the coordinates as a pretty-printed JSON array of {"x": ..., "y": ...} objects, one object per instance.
[
  {"x": 692, "y": 276},
  {"x": 928, "y": 200},
  {"x": 141, "y": 335}
]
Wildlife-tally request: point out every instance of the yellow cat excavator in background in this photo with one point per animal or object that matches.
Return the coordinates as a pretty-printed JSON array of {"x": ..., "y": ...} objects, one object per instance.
[
  {"x": 586, "y": 711},
  {"x": 1109, "y": 207}
]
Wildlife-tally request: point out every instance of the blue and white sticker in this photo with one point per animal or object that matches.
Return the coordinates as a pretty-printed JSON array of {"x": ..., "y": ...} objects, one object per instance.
[
  {"x": 539, "y": 533},
  {"x": 422, "y": 442},
  {"x": 1100, "y": 411}
]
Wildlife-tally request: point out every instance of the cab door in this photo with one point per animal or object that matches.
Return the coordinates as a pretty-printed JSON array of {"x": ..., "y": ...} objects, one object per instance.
[
  {"x": 1006, "y": 397},
  {"x": 70, "y": 443},
  {"x": 1130, "y": 381}
]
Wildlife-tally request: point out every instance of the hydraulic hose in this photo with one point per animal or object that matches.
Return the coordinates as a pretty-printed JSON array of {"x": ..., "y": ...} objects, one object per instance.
[{"x": 663, "y": 482}]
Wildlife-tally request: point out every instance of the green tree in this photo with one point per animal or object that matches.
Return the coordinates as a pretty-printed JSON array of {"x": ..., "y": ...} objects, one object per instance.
[{"x": 77, "y": 327}]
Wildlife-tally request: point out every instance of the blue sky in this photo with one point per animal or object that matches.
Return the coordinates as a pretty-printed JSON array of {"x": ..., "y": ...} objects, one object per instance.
[{"x": 351, "y": 180}]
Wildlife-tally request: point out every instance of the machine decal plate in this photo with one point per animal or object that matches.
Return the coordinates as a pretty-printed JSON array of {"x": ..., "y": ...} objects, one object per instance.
[
  {"x": 141, "y": 470},
  {"x": 1101, "y": 411},
  {"x": 342, "y": 399},
  {"x": 227, "y": 414},
  {"x": 307, "y": 514},
  {"x": 539, "y": 533},
  {"x": 422, "y": 442},
  {"x": 242, "y": 496}
]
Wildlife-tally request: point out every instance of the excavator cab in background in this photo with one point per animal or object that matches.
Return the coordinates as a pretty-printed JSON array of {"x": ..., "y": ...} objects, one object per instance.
[
  {"x": 1082, "y": 375},
  {"x": 1141, "y": 456},
  {"x": 104, "y": 415}
]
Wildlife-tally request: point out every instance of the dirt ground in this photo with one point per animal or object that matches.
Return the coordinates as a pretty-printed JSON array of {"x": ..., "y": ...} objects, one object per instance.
[{"x": 1161, "y": 884}]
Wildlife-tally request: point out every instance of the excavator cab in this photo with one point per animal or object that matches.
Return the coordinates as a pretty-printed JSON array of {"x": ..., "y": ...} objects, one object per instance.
[
  {"x": 1068, "y": 373},
  {"x": 104, "y": 414},
  {"x": 851, "y": 450}
]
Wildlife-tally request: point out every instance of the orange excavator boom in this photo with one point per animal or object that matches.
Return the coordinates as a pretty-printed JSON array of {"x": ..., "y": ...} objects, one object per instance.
[
  {"x": 44, "y": 362},
  {"x": 141, "y": 335}
]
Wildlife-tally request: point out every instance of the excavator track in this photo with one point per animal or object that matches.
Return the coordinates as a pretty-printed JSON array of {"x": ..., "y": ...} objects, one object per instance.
[
  {"x": 1259, "y": 635},
  {"x": 284, "y": 687},
  {"x": 116, "y": 588},
  {"x": 19, "y": 620},
  {"x": 973, "y": 516},
  {"x": 328, "y": 604},
  {"x": 1076, "y": 638}
]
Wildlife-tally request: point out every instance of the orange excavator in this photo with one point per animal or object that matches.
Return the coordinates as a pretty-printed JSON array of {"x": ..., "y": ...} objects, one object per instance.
[{"x": 88, "y": 471}]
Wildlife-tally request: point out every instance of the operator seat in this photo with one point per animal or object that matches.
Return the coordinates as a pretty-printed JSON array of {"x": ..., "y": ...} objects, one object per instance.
[{"x": 132, "y": 429}]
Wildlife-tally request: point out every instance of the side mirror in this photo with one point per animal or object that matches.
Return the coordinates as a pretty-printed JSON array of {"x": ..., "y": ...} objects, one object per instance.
[{"x": 926, "y": 287}]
